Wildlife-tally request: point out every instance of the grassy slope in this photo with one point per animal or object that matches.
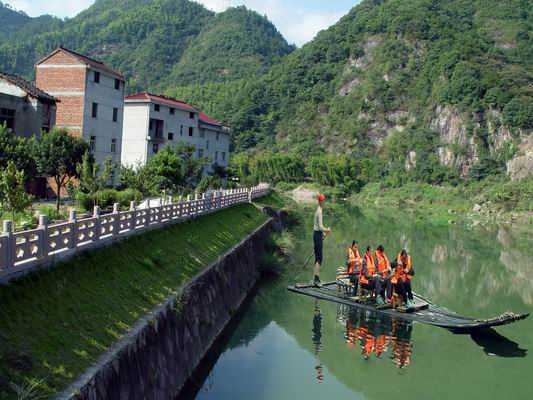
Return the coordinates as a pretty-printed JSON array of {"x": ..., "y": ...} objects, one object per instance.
[{"x": 63, "y": 319}]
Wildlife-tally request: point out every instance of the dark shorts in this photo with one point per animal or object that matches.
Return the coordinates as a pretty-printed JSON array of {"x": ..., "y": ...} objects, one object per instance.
[{"x": 317, "y": 240}]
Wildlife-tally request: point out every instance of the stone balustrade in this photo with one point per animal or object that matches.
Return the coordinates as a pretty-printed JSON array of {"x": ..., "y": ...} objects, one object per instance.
[{"x": 26, "y": 251}]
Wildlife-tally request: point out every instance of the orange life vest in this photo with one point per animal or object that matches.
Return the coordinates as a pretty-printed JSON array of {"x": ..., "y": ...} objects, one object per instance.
[
  {"x": 383, "y": 264},
  {"x": 398, "y": 274},
  {"x": 406, "y": 262},
  {"x": 354, "y": 260},
  {"x": 370, "y": 268}
]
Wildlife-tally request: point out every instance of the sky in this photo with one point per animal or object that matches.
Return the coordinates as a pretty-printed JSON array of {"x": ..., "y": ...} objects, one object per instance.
[{"x": 298, "y": 20}]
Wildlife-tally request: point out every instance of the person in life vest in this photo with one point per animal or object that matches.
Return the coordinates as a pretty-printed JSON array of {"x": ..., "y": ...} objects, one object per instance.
[
  {"x": 318, "y": 237},
  {"x": 384, "y": 272},
  {"x": 404, "y": 260},
  {"x": 397, "y": 281},
  {"x": 353, "y": 262},
  {"x": 368, "y": 277}
]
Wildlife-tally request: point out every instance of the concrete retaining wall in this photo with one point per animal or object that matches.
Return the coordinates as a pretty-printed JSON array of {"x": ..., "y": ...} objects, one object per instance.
[{"x": 156, "y": 359}]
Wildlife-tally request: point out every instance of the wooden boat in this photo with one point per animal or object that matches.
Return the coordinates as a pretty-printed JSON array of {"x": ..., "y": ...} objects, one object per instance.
[{"x": 425, "y": 311}]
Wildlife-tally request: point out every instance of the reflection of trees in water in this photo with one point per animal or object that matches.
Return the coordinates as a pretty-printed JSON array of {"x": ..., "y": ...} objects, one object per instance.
[{"x": 377, "y": 335}]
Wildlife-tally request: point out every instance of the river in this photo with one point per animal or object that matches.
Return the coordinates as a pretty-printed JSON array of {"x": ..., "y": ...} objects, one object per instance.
[{"x": 289, "y": 346}]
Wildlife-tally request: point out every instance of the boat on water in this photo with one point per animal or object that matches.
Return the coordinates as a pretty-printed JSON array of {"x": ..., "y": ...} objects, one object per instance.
[{"x": 424, "y": 311}]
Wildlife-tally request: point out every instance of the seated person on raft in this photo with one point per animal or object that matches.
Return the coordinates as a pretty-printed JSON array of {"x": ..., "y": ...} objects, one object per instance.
[
  {"x": 353, "y": 262},
  {"x": 406, "y": 275},
  {"x": 368, "y": 277},
  {"x": 384, "y": 273}
]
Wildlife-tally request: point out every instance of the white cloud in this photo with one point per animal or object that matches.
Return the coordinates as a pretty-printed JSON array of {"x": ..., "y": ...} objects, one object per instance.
[{"x": 297, "y": 23}]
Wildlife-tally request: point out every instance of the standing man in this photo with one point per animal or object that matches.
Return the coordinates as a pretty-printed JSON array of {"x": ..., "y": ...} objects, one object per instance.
[{"x": 318, "y": 236}]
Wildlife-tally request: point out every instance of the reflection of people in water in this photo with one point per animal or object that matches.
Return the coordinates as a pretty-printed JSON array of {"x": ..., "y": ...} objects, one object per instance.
[
  {"x": 375, "y": 335},
  {"x": 317, "y": 336}
]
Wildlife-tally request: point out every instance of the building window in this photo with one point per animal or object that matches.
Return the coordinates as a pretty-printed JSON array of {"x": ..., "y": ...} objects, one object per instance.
[
  {"x": 170, "y": 136},
  {"x": 92, "y": 143},
  {"x": 218, "y": 134},
  {"x": 223, "y": 156},
  {"x": 216, "y": 155},
  {"x": 156, "y": 107},
  {"x": 115, "y": 114},
  {"x": 191, "y": 131},
  {"x": 7, "y": 116},
  {"x": 96, "y": 77},
  {"x": 181, "y": 130},
  {"x": 156, "y": 128},
  {"x": 172, "y": 111},
  {"x": 155, "y": 148},
  {"x": 191, "y": 115},
  {"x": 117, "y": 84},
  {"x": 95, "y": 110},
  {"x": 113, "y": 145},
  {"x": 202, "y": 133},
  {"x": 200, "y": 153},
  {"x": 207, "y": 145}
]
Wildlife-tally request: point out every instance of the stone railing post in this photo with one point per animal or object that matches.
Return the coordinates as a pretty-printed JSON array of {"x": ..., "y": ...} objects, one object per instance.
[
  {"x": 133, "y": 218},
  {"x": 73, "y": 219},
  {"x": 148, "y": 215},
  {"x": 44, "y": 239},
  {"x": 116, "y": 222},
  {"x": 7, "y": 231},
  {"x": 250, "y": 195},
  {"x": 96, "y": 215}
]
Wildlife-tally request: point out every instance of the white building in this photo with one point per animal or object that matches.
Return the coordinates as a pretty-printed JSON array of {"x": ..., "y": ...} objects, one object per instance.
[
  {"x": 152, "y": 122},
  {"x": 91, "y": 96}
]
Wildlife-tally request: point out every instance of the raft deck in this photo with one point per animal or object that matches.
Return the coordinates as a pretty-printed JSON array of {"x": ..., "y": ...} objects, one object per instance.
[{"x": 425, "y": 311}]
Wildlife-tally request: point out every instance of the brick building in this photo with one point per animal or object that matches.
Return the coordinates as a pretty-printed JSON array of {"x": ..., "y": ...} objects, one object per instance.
[{"x": 91, "y": 96}]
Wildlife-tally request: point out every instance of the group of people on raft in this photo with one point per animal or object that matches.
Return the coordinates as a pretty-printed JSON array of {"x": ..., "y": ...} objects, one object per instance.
[
  {"x": 375, "y": 273},
  {"x": 372, "y": 271}
]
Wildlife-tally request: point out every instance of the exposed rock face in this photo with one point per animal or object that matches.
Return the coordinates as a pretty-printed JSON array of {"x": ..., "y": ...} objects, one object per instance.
[
  {"x": 410, "y": 162},
  {"x": 348, "y": 87},
  {"x": 499, "y": 134},
  {"x": 450, "y": 125},
  {"x": 522, "y": 165}
]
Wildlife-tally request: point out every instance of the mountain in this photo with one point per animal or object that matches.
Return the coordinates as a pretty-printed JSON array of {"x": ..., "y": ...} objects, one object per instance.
[
  {"x": 152, "y": 42},
  {"x": 430, "y": 88}
]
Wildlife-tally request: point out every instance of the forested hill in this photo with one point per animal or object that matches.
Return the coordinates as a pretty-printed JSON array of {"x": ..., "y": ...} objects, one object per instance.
[
  {"x": 152, "y": 42},
  {"x": 428, "y": 88}
]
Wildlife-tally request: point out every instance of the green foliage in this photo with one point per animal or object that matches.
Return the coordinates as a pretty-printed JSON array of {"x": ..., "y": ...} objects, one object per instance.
[
  {"x": 166, "y": 168},
  {"x": 139, "y": 178},
  {"x": 57, "y": 154},
  {"x": 13, "y": 196},
  {"x": 126, "y": 196},
  {"x": 519, "y": 112},
  {"x": 209, "y": 182},
  {"x": 150, "y": 42},
  {"x": 14, "y": 148},
  {"x": 51, "y": 213},
  {"x": 106, "y": 198},
  {"x": 91, "y": 180},
  {"x": 85, "y": 201}
]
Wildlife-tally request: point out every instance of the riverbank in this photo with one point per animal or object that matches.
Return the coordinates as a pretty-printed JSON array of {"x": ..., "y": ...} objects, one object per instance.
[
  {"x": 476, "y": 203},
  {"x": 55, "y": 324}
]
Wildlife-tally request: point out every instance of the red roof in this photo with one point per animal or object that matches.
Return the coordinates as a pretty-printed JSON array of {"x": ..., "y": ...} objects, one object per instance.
[
  {"x": 161, "y": 99},
  {"x": 84, "y": 59},
  {"x": 208, "y": 120}
]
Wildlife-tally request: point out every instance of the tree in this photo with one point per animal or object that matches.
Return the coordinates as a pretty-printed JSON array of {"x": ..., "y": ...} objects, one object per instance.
[
  {"x": 14, "y": 148},
  {"x": 191, "y": 168},
  {"x": 138, "y": 177},
  {"x": 166, "y": 167},
  {"x": 12, "y": 193},
  {"x": 57, "y": 154},
  {"x": 91, "y": 180}
]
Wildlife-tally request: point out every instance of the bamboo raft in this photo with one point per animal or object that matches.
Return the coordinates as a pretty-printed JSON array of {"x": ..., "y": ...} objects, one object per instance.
[{"x": 424, "y": 312}]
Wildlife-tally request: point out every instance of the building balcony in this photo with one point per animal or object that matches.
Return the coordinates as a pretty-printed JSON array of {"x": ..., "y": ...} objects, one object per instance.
[{"x": 155, "y": 138}]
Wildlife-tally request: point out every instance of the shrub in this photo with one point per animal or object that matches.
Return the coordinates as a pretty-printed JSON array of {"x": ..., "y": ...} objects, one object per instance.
[
  {"x": 106, "y": 198},
  {"x": 125, "y": 197},
  {"x": 284, "y": 243},
  {"x": 51, "y": 213},
  {"x": 85, "y": 201}
]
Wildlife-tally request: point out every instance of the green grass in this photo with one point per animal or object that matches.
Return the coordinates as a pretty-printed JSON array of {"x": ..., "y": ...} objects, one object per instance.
[{"x": 54, "y": 324}]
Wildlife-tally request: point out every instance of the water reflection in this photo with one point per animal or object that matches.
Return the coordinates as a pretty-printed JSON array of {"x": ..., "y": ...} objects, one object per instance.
[
  {"x": 317, "y": 335},
  {"x": 377, "y": 335},
  {"x": 494, "y": 344}
]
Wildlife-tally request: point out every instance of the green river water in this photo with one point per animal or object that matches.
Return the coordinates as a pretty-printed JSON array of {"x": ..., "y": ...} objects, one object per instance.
[{"x": 290, "y": 346}]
